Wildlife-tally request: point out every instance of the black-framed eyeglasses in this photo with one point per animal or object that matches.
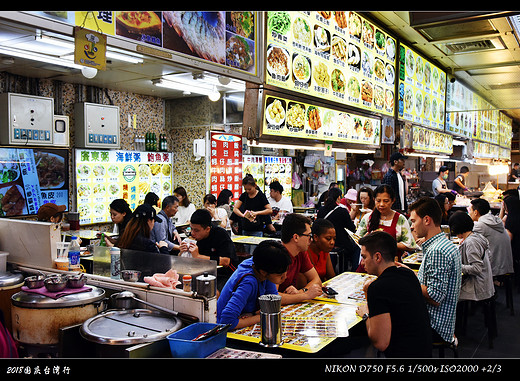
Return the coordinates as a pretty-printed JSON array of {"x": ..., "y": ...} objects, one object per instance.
[{"x": 307, "y": 235}]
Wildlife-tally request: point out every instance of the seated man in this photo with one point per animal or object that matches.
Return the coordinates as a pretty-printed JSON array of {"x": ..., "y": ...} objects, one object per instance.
[
  {"x": 238, "y": 303},
  {"x": 277, "y": 201},
  {"x": 396, "y": 317},
  {"x": 213, "y": 243},
  {"x": 296, "y": 237},
  {"x": 166, "y": 230}
]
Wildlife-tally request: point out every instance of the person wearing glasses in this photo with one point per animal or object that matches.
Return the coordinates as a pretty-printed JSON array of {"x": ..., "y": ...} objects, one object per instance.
[{"x": 302, "y": 281}]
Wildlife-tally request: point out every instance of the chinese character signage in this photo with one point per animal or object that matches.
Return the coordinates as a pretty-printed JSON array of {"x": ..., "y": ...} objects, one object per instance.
[
  {"x": 103, "y": 176},
  {"x": 30, "y": 178},
  {"x": 226, "y": 163}
]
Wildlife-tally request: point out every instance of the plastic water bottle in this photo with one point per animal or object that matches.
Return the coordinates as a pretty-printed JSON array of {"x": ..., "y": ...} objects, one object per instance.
[
  {"x": 115, "y": 263},
  {"x": 74, "y": 252}
]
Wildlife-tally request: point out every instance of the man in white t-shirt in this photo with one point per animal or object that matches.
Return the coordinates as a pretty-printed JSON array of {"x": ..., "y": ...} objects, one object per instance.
[{"x": 276, "y": 200}]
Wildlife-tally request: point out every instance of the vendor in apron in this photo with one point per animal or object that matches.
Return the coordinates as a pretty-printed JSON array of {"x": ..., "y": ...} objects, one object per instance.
[{"x": 388, "y": 220}]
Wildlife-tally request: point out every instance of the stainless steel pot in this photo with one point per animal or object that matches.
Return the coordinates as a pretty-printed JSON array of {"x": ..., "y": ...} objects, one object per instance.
[
  {"x": 206, "y": 284},
  {"x": 37, "y": 319}
]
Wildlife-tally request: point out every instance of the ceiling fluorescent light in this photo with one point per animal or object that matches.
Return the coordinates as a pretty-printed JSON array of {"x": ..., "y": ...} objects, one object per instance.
[
  {"x": 182, "y": 87},
  {"x": 286, "y": 146},
  {"x": 38, "y": 57}
]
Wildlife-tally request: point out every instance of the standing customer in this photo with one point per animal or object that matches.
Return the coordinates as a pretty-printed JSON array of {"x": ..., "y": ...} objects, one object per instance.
[
  {"x": 440, "y": 271},
  {"x": 186, "y": 207},
  {"x": 166, "y": 231},
  {"x": 253, "y": 209},
  {"x": 397, "y": 181},
  {"x": 492, "y": 227},
  {"x": 336, "y": 213},
  {"x": 477, "y": 282},
  {"x": 396, "y": 317}
]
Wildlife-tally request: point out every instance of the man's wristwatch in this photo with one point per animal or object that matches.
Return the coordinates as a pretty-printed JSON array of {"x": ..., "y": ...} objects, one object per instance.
[{"x": 365, "y": 316}]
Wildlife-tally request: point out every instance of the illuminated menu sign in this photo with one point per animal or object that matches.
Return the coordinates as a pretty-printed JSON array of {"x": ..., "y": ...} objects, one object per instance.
[
  {"x": 427, "y": 140},
  {"x": 338, "y": 56},
  {"x": 289, "y": 118},
  {"x": 226, "y": 163},
  {"x": 422, "y": 90},
  {"x": 103, "y": 176}
]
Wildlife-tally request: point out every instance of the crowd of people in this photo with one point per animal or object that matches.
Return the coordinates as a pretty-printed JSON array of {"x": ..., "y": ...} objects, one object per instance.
[{"x": 405, "y": 311}]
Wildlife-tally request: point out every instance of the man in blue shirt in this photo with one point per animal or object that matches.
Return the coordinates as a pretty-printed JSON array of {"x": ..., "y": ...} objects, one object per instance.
[
  {"x": 166, "y": 231},
  {"x": 238, "y": 302},
  {"x": 440, "y": 272}
]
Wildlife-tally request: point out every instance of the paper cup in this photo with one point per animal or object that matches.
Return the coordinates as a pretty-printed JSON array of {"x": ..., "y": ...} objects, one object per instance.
[{"x": 62, "y": 264}]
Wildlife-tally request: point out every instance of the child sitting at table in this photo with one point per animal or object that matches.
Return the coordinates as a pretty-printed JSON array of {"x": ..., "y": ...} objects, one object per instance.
[{"x": 238, "y": 302}]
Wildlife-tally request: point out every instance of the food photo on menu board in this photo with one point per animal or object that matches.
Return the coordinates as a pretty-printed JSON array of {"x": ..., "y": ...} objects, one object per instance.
[
  {"x": 422, "y": 90},
  {"x": 283, "y": 117},
  {"x": 338, "y": 56},
  {"x": 31, "y": 177},
  {"x": 103, "y": 176}
]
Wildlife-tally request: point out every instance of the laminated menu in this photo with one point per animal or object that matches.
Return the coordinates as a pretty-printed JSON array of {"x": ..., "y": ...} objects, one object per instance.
[
  {"x": 338, "y": 56},
  {"x": 103, "y": 176}
]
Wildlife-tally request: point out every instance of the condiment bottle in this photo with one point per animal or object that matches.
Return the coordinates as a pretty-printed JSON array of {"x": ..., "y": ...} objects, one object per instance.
[{"x": 186, "y": 283}]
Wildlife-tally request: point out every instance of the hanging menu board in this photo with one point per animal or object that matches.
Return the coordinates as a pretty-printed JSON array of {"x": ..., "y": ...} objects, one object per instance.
[
  {"x": 338, "y": 56},
  {"x": 226, "y": 163},
  {"x": 103, "y": 176},
  {"x": 254, "y": 165},
  {"x": 427, "y": 140},
  {"x": 279, "y": 169},
  {"x": 284, "y": 117},
  {"x": 505, "y": 131},
  {"x": 31, "y": 177},
  {"x": 422, "y": 90}
]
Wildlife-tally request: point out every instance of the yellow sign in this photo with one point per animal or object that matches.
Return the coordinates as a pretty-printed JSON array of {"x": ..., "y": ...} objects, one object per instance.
[
  {"x": 102, "y": 21},
  {"x": 90, "y": 48}
]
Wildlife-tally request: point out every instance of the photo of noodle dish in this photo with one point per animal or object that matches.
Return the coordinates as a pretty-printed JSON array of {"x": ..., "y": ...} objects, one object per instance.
[{"x": 301, "y": 68}]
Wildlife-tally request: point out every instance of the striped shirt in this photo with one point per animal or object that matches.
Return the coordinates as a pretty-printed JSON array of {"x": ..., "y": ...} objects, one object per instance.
[{"x": 440, "y": 272}]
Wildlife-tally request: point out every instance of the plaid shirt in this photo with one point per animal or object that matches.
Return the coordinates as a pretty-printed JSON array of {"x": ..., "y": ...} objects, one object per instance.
[{"x": 440, "y": 272}]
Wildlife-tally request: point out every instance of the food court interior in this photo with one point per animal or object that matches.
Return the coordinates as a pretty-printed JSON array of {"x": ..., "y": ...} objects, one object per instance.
[{"x": 259, "y": 93}]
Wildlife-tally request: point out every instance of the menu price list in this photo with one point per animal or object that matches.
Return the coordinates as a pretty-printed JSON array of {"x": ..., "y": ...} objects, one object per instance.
[
  {"x": 339, "y": 56},
  {"x": 103, "y": 176},
  {"x": 226, "y": 163}
]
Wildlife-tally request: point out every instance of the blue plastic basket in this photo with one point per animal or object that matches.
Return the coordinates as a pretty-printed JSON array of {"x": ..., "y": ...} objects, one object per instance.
[{"x": 182, "y": 346}]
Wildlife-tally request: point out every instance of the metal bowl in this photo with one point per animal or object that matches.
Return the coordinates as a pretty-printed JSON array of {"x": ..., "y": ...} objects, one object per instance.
[
  {"x": 76, "y": 281},
  {"x": 130, "y": 275},
  {"x": 35, "y": 281},
  {"x": 55, "y": 283}
]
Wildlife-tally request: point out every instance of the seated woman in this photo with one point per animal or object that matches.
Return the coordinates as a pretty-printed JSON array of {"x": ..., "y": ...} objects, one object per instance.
[
  {"x": 238, "y": 302},
  {"x": 120, "y": 213},
  {"x": 444, "y": 203},
  {"x": 477, "y": 281},
  {"x": 365, "y": 204},
  {"x": 323, "y": 241},
  {"x": 137, "y": 232},
  {"x": 217, "y": 213},
  {"x": 385, "y": 218}
]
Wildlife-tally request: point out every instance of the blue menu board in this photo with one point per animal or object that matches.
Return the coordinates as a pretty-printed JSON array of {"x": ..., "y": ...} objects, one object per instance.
[{"x": 31, "y": 177}]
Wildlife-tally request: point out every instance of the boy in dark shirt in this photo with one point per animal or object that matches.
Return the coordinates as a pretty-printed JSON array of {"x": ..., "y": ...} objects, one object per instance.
[
  {"x": 396, "y": 317},
  {"x": 213, "y": 243}
]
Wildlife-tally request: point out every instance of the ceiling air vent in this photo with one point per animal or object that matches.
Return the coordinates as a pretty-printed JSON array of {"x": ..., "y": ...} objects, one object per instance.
[{"x": 473, "y": 46}]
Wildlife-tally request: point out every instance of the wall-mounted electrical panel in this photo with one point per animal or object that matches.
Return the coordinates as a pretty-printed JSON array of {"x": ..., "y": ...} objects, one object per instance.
[
  {"x": 96, "y": 125},
  {"x": 26, "y": 120}
]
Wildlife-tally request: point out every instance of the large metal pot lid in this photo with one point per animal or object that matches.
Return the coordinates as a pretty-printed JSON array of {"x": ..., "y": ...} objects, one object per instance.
[
  {"x": 129, "y": 327},
  {"x": 8, "y": 279},
  {"x": 32, "y": 300}
]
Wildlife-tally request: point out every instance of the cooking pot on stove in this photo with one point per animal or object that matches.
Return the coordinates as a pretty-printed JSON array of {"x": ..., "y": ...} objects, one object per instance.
[
  {"x": 37, "y": 319},
  {"x": 206, "y": 284}
]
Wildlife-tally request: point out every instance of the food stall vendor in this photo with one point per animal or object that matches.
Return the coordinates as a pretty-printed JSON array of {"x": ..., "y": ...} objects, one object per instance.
[{"x": 439, "y": 185}]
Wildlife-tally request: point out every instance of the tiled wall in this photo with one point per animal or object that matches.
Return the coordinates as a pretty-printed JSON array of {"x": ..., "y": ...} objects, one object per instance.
[{"x": 182, "y": 120}]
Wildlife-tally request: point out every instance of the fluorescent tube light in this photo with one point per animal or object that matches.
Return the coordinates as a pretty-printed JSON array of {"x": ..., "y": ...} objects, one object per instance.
[
  {"x": 39, "y": 57},
  {"x": 212, "y": 94}
]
